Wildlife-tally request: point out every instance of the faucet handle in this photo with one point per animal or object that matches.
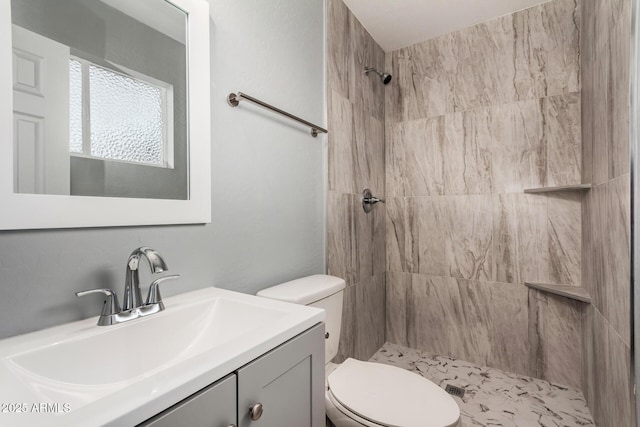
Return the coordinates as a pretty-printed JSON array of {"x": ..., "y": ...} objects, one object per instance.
[
  {"x": 154, "y": 296},
  {"x": 110, "y": 308}
]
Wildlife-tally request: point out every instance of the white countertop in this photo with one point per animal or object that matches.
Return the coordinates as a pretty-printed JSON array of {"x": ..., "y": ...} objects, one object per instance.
[{"x": 81, "y": 374}]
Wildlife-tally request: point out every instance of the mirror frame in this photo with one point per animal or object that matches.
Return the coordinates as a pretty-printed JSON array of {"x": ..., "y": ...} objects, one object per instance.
[{"x": 38, "y": 211}]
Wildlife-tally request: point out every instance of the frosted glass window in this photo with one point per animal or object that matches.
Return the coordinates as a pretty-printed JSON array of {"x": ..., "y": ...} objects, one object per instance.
[
  {"x": 127, "y": 118},
  {"x": 75, "y": 106},
  {"x": 117, "y": 116}
]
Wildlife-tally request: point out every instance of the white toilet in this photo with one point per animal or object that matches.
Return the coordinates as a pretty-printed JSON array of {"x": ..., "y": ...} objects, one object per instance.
[{"x": 366, "y": 393}]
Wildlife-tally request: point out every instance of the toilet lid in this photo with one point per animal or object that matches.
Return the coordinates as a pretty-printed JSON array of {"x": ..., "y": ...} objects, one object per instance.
[{"x": 392, "y": 396}]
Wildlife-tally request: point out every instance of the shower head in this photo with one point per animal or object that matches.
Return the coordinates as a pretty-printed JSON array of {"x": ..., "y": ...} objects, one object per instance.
[{"x": 385, "y": 77}]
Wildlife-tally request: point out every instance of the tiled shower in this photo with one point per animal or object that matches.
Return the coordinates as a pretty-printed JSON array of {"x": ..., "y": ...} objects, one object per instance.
[{"x": 535, "y": 99}]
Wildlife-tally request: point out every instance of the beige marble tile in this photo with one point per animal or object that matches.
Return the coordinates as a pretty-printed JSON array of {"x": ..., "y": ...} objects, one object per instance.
[
  {"x": 423, "y": 142},
  {"x": 606, "y": 267},
  {"x": 611, "y": 403},
  {"x": 483, "y": 322},
  {"x": 370, "y": 239},
  {"x": 425, "y": 235},
  {"x": 609, "y": 93},
  {"x": 602, "y": 411},
  {"x": 421, "y": 88},
  {"x": 555, "y": 26},
  {"x": 587, "y": 276},
  {"x": 587, "y": 56},
  {"x": 340, "y": 146},
  {"x": 619, "y": 384},
  {"x": 467, "y": 153},
  {"x": 484, "y": 71},
  {"x": 432, "y": 324},
  {"x": 530, "y": 80},
  {"x": 605, "y": 210},
  {"x": 520, "y": 238},
  {"x": 350, "y": 48},
  {"x": 600, "y": 102},
  {"x": 370, "y": 318},
  {"x": 356, "y": 148},
  {"x": 527, "y": 55},
  {"x": 597, "y": 256},
  {"x": 564, "y": 140},
  {"x": 565, "y": 238},
  {"x": 395, "y": 234},
  {"x": 395, "y": 165},
  {"x": 468, "y": 224},
  {"x": 588, "y": 367},
  {"x": 392, "y": 93},
  {"x": 342, "y": 234},
  {"x": 338, "y": 52},
  {"x": 379, "y": 254},
  {"x": 555, "y": 337},
  {"x": 356, "y": 160},
  {"x": 428, "y": 96},
  {"x": 519, "y": 150},
  {"x": 619, "y": 81},
  {"x": 368, "y": 153},
  {"x": 607, "y": 15},
  {"x": 502, "y": 310},
  {"x": 355, "y": 240},
  {"x": 346, "y": 347},
  {"x": 617, "y": 278},
  {"x": 429, "y": 92},
  {"x": 397, "y": 286},
  {"x": 367, "y": 92}
]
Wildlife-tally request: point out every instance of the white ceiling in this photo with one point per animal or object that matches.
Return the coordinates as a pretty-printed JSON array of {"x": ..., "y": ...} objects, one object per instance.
[{"x": 400, "y": 23}]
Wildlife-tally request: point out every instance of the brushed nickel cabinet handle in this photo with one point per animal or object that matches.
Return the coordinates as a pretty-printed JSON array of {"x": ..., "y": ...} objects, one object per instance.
[{"x": 256, "y": 411}]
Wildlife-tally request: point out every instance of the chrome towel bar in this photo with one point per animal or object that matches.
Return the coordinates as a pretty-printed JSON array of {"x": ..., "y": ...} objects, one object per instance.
[{"x": 234, "y": 99}]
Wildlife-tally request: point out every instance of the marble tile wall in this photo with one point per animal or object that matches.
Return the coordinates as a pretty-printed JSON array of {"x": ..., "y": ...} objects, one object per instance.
[
  {"x": 475, "y": 117},
  {"x": 458, "y": 316},
  {"x": 536, "y": 98},
  {"x": 606, "y": 210},
  {"x": 555, "y": 328},
  {"x": 355, "y": 240}
]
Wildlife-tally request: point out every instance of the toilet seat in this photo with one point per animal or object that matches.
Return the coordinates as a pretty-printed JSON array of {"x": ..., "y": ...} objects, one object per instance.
[
  {"x": 383, "y": 395},
  {"x": 348, "y": 418}
]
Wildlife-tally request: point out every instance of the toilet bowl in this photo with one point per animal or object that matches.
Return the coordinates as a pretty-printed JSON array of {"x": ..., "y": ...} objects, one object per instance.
[{"x": 361, "y": 393}]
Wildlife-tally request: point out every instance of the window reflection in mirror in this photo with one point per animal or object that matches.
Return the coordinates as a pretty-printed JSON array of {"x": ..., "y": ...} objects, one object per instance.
[{"x": 100, "y": 97}]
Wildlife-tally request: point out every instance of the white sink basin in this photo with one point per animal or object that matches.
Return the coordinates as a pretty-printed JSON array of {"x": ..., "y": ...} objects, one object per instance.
[
  {"x": 146, "y": 345},
  {"x": 126, "y": 373}
]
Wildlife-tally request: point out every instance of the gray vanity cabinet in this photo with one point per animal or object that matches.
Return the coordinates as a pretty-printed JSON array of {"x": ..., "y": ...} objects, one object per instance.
[
  {"x": 213, "y": 406},
  {"x": 282, "y": 388},
  {"x": 287, "y": 384}
]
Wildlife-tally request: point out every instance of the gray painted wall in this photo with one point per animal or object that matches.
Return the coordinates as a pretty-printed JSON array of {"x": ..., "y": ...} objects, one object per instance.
[
  {"x": 95, "y": 32},
  {"x": 268, "y": 184}
]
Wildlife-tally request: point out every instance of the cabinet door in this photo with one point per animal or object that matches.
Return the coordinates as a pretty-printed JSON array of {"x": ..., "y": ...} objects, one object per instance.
[
  {"x": 214, "y": 406},
  {"x": 288, "y": 382}
]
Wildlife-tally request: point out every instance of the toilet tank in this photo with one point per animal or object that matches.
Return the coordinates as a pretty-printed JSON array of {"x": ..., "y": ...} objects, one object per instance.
[{"x": 321, "y": 291}]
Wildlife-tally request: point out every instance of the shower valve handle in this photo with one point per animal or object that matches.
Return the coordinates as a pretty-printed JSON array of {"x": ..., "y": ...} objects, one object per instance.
[
  {"x": 372, "y": 200},
  {"x": 368, "y": 200}
]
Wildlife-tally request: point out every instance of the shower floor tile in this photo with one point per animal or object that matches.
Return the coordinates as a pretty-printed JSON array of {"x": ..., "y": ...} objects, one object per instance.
[{"x": 494, "y": 397}]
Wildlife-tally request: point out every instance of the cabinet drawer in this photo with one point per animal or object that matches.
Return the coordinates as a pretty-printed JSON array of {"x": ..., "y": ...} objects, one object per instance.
[{"x": 214, "y": 406}]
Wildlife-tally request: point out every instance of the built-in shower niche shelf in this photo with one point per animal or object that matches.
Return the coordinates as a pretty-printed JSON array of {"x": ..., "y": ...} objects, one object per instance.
[
  {"x": 572, "y": 292},
  {"x": 560, "y": 189}
]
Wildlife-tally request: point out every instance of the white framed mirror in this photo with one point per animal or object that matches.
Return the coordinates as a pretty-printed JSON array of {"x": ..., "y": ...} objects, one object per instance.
[{"x": 104, "y": 113}]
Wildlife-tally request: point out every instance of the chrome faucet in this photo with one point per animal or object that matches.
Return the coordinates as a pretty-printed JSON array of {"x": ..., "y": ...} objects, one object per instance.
[
  {"x": 133, "y": 306},
  {"x": 132, "y": 295}
]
